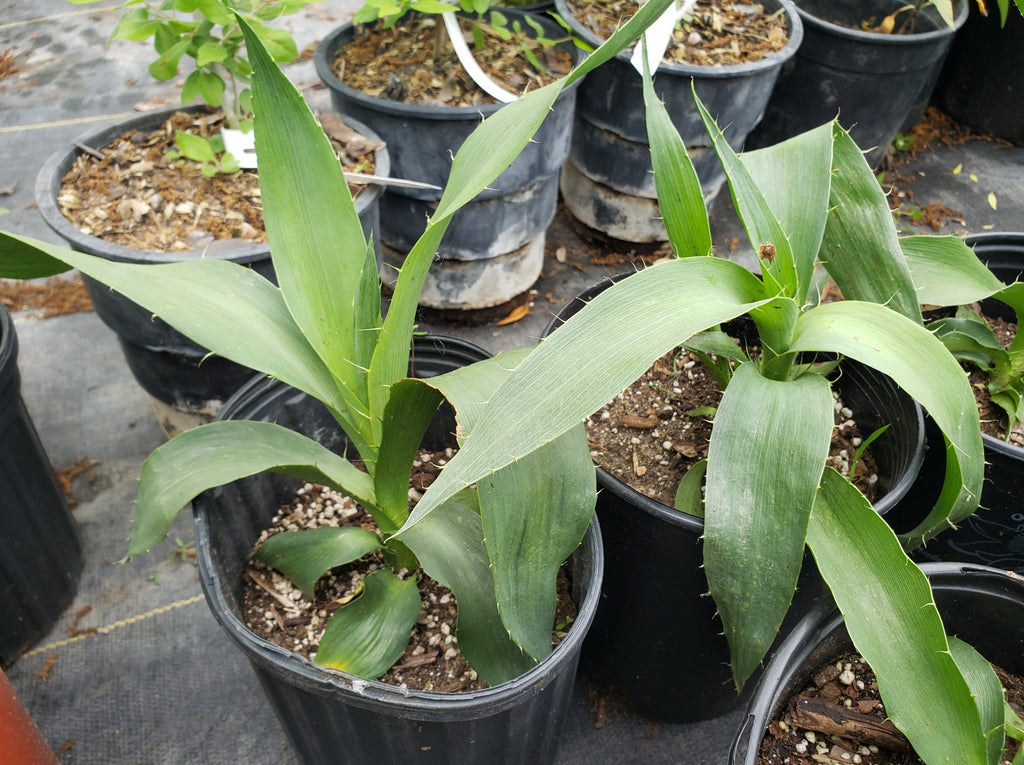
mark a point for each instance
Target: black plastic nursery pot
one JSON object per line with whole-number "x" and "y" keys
{"x": 656, "y": 637}
{"x": 40, "y": 546}
{"x": 608, "y": 183}
{"x": 494, "y": 248}
{"x": 982, "y": 606}
{"x": 187, "y": 386}
{"x": 982, "y": 84}
{"x": 334, "y": 717}
{"x": 871, "y": 81}
{"x": 994, "y": 535}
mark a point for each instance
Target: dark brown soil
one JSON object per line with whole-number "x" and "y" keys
{"x": 136, "y": 197}
{"x": 55, "y": 296}
{"x": 846, "y": 690}
{"x": 276, "y": 611}
{"x": 647, "y": 438}
{"x": 716, "y": 33}
{"x": 414, "y": 62}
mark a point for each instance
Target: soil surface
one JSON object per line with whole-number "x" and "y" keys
{"x": 55, "y": 296}
{"x": 137, "y": 197}
{"x": 654, "y": 431}
{"x": 275, "y": 610}
{"x": 413, "y": 62}
{"x": 715, "y": 33}
{"x": 809, "y": 732}
{"x": 936, "y": 128}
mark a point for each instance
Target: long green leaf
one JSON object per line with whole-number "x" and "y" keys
{"x": 410, "y": 407}
{"x": 390, "y": 361}
{"x": 535, "y": 511}
{"x": 763, "y": 228}
{"x": 689, "y": 494}
{"x": 918, "y": 363}
{"x": 367, "y": 635}
{"x": 768, "y": 449}
{"x": 25, "y": 258}
{"x": 316, "y": 240}
{"x": 406, "y": 417}
{"x": 559, "y": 382}
{"x": 680, "y": 199}
{"x": 893, "y": 622}
{"x": 483, "y": 156}
{"x": 794, "y": 177}
{"x": 225, "y": 307}
{"x": 946, "y": 272}
{"x": 860, "y": 249}
{"x": 215, "y": 454}
{"x": 450, "y": 546}
{"x": 987, "y": 692}
{"x": 305, "y": 556}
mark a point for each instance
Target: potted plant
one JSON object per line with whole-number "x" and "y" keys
{"x": 320, "y": 332}
{"x": 983, "y": 607}
{"x": 40, "y": 546}
{"x": 657, "y": 539}
{"x": 424, "y": 103}
{"x": 993, "y": 535}
{"x": 981, "y": 74}
{"x": 186, "y": 384}
{"x": 767, "y": 493}
{"x": 607, "y": 182}
{"x": 870, "y": 64}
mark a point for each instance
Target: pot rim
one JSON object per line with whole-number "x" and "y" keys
{"x": 50, "y": 175}
{"x": 372, "y": 694}
{"x": 329, "y": 46}
{"x": 770, "y": 61}
{"x": 960, "y": 10}
{"x": 825, "y": 619}
{"x": 608, "y": 482}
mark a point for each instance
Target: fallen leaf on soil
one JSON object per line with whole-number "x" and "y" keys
{"x": 65, "y": 476}
{"x": 633, "y": 421}
{"x": 992, "y": 200}
{"x": 515, "y": 314}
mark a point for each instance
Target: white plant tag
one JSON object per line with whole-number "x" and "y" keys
{"x": 658, "y": 36}
{"x": 241, "y": 146}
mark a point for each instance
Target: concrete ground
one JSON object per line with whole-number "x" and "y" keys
{"x": 137, "y": 670}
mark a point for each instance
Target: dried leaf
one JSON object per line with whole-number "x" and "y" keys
{"x": 515, "y": 314}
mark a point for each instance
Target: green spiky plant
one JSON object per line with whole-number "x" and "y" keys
{"x": 968, "y": 337}
{"x": 769, "y": 493}
{"x": 497, "y": 545}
